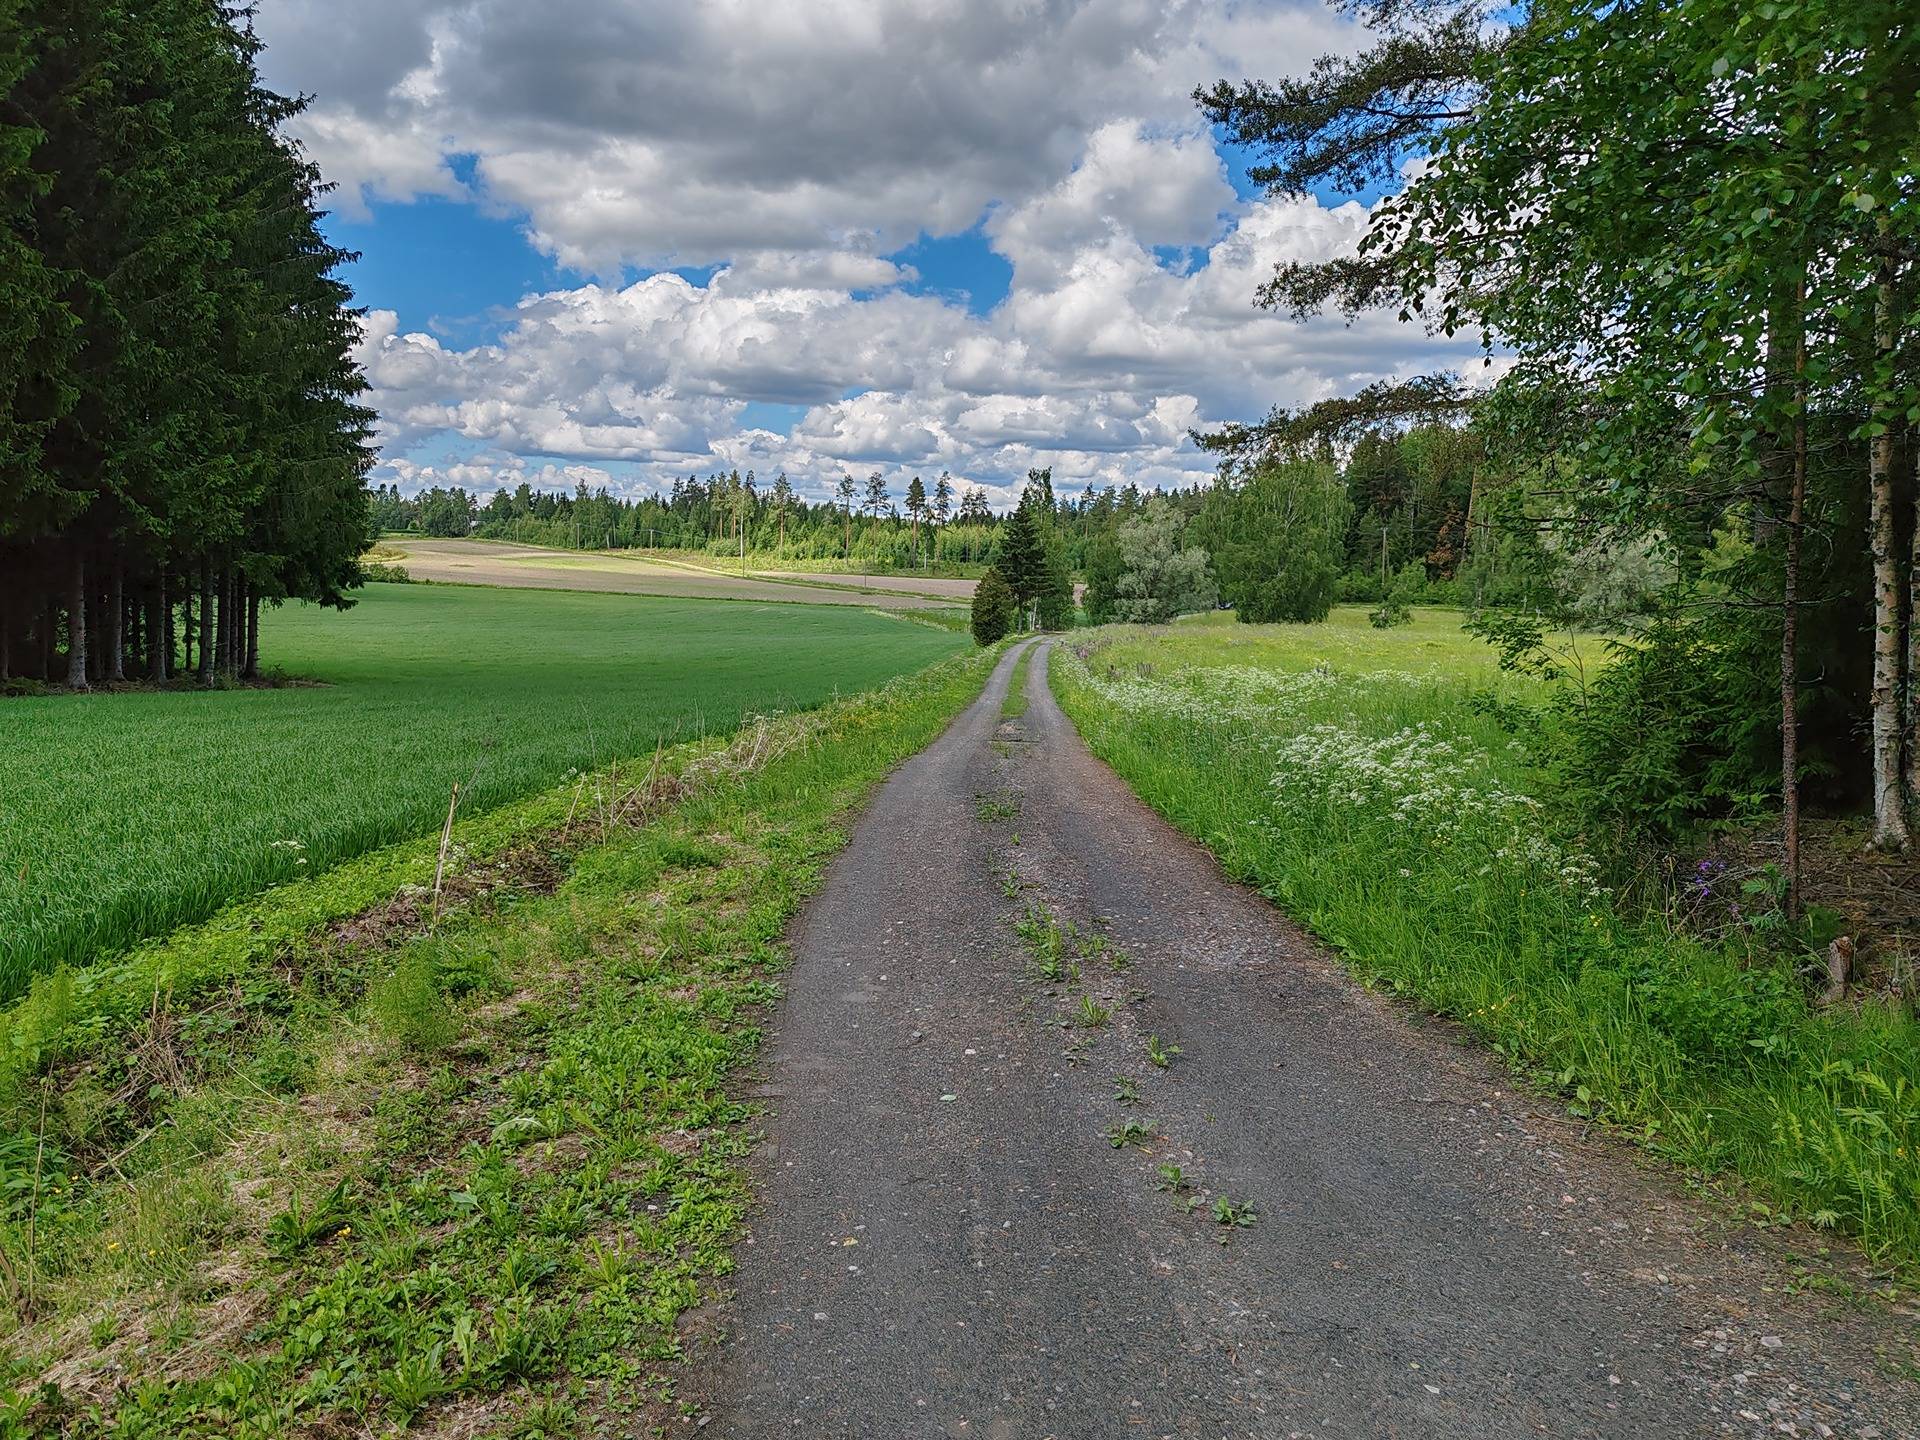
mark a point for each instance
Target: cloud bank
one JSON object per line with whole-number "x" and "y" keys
{"x": 798, "y": 147}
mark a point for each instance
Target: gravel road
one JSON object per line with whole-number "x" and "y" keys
{"x": 949, "y": 1243}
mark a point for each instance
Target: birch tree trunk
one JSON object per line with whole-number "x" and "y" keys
{"x": 1889, "y": 801}
{"x": 1913, "y": 628}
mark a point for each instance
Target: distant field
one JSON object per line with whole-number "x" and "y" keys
{"x": 128, "y": 814}
{"x": 490, "y": 562}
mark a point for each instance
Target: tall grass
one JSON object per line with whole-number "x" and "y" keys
{"x": 125, "y": 815}
{"x": 1384, "y": 811}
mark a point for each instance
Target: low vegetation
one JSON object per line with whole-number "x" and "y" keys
{"x": 1364, "y": 780}
{"x": 130, "y": 814}
{"x": 449, "y": 1163}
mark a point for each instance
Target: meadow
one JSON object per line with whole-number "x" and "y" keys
{"x": 1357, "y": 778}
{"x": 129, "y": 814}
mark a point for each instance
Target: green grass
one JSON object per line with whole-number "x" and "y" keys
{"x": 1432, "y": 642}
{"x": 458, "y": 1178}
{"x": 1348, "y": 774}
{"x": 1014, "y": 705}
{"x": 129, "y": 814}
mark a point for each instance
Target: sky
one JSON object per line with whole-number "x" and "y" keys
{"x": 620, "y": 241}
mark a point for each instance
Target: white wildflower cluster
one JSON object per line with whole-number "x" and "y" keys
{"x": 1237, "y": 695}
{"x": 1437, "y": 786}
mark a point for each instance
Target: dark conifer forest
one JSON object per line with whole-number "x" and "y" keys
{"x": 180, "y": 433}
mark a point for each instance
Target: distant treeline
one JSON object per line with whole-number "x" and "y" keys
{"x": 1407, "y": 503}
{"x": 943, "y": 523}
{"x": 180, "y": 437}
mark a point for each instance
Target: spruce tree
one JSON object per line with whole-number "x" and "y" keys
{"x": 994, "y": 607}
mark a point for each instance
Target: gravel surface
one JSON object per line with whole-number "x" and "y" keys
{"x": 949, "y": 1244}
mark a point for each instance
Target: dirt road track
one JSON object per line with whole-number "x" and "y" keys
{"x": 949, "y": 1244}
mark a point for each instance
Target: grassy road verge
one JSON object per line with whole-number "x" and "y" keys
{"x": 461, "y": 1175}
{"x": 1387, "y": 813}
{"x": 130, "y": 814}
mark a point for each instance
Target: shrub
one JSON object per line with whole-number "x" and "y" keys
{"x": 1159, "y": 577}
{"x": 1409, "y": 583}
{"x": 1659, "y": 740}
{"x": 1276, "y": 539}
{"x": 994, "y": 608}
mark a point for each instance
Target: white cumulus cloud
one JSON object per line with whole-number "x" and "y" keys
{"x": 797, "y": 147}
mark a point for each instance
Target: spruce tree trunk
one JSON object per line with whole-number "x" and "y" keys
{"x": 205, "y": 669}
{"x": 96, "y": 628}
{"x": 159, "y": 631}
{"x": 237, "y": 627}
{"x": 229, "y": 587}
{"x": 116, "y": 625}
{"x": 1889, "y": 803}
{"x": 77, "y": 620}
{"x": 253, "y": 633}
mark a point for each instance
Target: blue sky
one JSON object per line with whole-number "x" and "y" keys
{"x": 455, "y": 267}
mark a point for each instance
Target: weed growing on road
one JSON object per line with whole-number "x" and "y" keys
{"x": 1161, "y": 1054}
{"x": 1092, "y": 1013}
{"x": 1045, "y": 941}
{"x": 1014, "y": 706}
{"x": 1227, "y": 1212}
{"x": 1125, "y": 1091}
{"x": 1172, "y": 1178}
{"x": 1130, "y": 1132}
{"x": 991, "y": 808}
{"x": 1097, "y": 948}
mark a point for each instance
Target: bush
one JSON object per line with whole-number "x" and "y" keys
{"x": 1276, "y": 538}
{"x": 1159, "y": 577}
{"x": 1674, "y": 730}
{"x": 994, "y": 608}
{"x": 1409, "y": 584}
